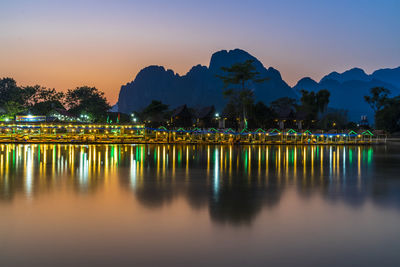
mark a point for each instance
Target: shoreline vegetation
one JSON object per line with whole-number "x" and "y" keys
{"x": 237, "y": 123}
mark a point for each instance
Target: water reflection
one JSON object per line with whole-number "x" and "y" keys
{"x": 233, "y": 183}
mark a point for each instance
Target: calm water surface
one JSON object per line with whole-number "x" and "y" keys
{"x": 152, "y": 205}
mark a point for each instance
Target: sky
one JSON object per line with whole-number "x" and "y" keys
{"x": 65, "y": 44}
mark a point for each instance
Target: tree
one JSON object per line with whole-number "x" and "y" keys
{"x": 378, "y": 98}
{"x": 155, "y": 107}
{"x": 388, "y": 115}
{"x": 88, "y": 101}
{"x": 15, "y": 99}
{"x": 283, "y": 103}
{"x": 322, "y": 100}
{"x": 387, "y": 110}
{"x": 12, "y": 108}
{"x": 262, "y": 115}
{"x": 9, "y": 91}
{"x": 45, "y": 100}
{"x": 35, "y": 99}
{"x": 334, "y": 118}
{"x": 44, "y": 94}
{"x": 313, "y": 103}
{"x": 156, "y": 112}
{"x": 241, "y": 98}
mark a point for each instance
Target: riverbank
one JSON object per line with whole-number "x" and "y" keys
{"x": 139, "y": 134}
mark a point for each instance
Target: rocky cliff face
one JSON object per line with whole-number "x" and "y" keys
{"x": 199, "y": 87}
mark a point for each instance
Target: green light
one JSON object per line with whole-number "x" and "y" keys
{"x": 245, "y": 160}
{"x": 370, "y": 153}
{"x": 350, "y": 156}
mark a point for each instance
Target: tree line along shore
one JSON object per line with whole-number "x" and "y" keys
{"x": 28, "y": 104}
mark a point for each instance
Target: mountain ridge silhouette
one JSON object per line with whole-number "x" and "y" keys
{"x": 201, "y": 87}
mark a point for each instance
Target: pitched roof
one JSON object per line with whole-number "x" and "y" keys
{"x": 180, "y": 110}
{"x": 205, "y": 112}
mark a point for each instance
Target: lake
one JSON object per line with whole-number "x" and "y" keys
{"x": 186, "y": 205}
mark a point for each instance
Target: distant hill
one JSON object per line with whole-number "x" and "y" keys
{"x": 199, "y": 87}
{"x": 349, "y": 88}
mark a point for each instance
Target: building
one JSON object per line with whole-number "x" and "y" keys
{"x": 205, "y": 117}
{"x": 181, "y": 117}
{"x": 59, "y": 114}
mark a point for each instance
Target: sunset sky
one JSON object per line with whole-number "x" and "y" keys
{"x": 65, "y": 44}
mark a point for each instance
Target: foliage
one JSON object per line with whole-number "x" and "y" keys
{"x": 89, "y": 101}
{"x": 9, "y": 91}
{"x": 387, "y": 110}
{"x": 155, "y": 112}
{"x": 240, "y": 97}
{"x": 313, "y": 103}
{"x": 262, "y": 116}
{"x": 378, "y": 98}
{"x": 283, "y": 103}
{"x": 334, "y": 118}
{"x": 13, "y": 108}
{"x": 45, "y": 100}
{"x": 388, "y": 115}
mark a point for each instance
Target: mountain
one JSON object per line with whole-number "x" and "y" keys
{"x": 349, "y": 88}
{"x": 200, "y": 86}
{"x": 391, "y": 76}
{"x": 355, "y": 74}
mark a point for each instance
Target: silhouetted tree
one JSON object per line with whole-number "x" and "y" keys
{"x": 314, "y": 103}
{"x": 388, "y": 115}
{"x": 262, "y": 116}
{"x": 387, "y": 110}
{"x": 10, "y": 92}
{"x": 156, "y": 112}
{"x": 45, "y": 100}
{"x": 334, "y": 118}
{"x": 378, "y": 98}
{"x": 241, "y": 98}
{"x": 87, "y": 100}
{"x": 283, "y": 103}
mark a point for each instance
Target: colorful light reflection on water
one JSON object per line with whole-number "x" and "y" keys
{"x": 148, "y": 204}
